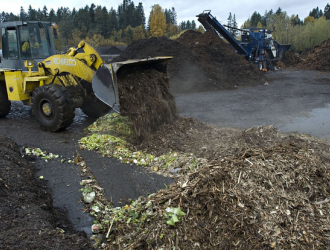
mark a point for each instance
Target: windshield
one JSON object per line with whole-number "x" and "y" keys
{"x": 36, "y": 41}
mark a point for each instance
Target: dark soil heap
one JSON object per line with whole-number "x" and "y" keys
{"x": 290, "y": 59}
{"x": 318, "y": 58}
{"x": 28, "y": 219}
{"x": 145, "y": 99}
{"x": 201, "y": 62}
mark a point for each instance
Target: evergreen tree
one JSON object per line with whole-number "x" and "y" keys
{"x": 45, "y": 14}
{"x": 39, "y": 15}
{"x": 74, "y": 18}
{"x": 12, "y": 17}
{"x": 183, "y": 25}
{"x": 327, "y": 11}
{"x": 66, "y": 25}
{"x": 83, "y": 18}
{"x": 130, "y": 15}
{"x": 193, "y": 25}
{"x": 113, "y": 22}
{"x": 91, "y": 13}
{"x": 255, "y": 19}
{"x": 173, "y": 16}
{"x": 121, "y": 16}
{"x": 102, "y": 20}
{"x": 32, "y": 14}
{"x": 234, "y": 25}
{"x": 278, "y": 12}
{"x": 168, "y": 15}
{"x": 188, "y": 25}
{"x": 229, "y": 23}
{"x": 22, "y": 14}
{"x": 59, "y": 14}
{"x": 140, "y": 16}
{"x": 316, "y": 13}
{"x": 2, "y": 17}
{"x": 229, "y": 19}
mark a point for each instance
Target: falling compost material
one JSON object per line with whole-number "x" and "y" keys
{"x": 145, "y": 98}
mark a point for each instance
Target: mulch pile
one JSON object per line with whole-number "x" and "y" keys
{"x": 201, "y": 62}
{"x": 145, "y": 99}
{"x": 28, "y": 219}
{"x": 189, "y": 135}
{"x": 271, "y": 192}
{"x": 263, "y": 198}
{"x": 290, "y": 59}
{"x": 318, "y": 58}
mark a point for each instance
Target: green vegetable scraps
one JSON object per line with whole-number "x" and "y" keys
{"x": 108, "y": 144}
{"x": 173, "y": 214}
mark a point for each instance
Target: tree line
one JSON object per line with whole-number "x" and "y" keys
{"x": 101, "y": 26}
{"x": 302, "y": 34}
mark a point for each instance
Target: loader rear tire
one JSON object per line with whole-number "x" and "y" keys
{"x": 95, "y": 108}
{"x": 52, "y": 106}
{"x": 5, "y": 104}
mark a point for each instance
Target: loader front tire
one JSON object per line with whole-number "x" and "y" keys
{"x": 52, "y": 107}
{"x": 5, "y": 104}
{"x": 95, "y": 108}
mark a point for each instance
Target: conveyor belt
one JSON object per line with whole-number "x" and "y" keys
{"x": 210, "y": 23}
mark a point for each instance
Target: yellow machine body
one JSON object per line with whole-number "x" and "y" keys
{"x": 55, "y": 84}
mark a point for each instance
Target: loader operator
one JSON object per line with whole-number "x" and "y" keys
{"x": 33, "y": 43}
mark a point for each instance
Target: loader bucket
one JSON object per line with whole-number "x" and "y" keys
{"x": 105, "y": 84}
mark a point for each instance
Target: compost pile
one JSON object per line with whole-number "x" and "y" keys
{"x": 145, "y": 99}
{"x": 275, "y": 195}
{"x": 28, "y": 218}
{"x": 290, "y": 59}
{"x": 201, "y": 62}
{"x": 189, "y": 135}
{"x": 318, "y": 58}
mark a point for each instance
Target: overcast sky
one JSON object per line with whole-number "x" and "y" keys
{"x": 186, "y": 10}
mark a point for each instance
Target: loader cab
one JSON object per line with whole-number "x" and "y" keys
{"x": 23, "y": 41}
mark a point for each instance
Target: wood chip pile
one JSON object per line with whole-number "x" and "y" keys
{"x": 275, "y": 197}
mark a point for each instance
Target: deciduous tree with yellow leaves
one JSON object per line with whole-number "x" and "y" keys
{"x": 157, "y": 23}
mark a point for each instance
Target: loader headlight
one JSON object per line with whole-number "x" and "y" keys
{"x": 28, "y": 63}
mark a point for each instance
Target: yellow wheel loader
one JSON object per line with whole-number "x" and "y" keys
{"x": 55, "y": 84}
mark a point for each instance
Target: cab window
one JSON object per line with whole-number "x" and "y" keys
{"x": 34, "y": 41}
{"x": 9, "y": 43}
